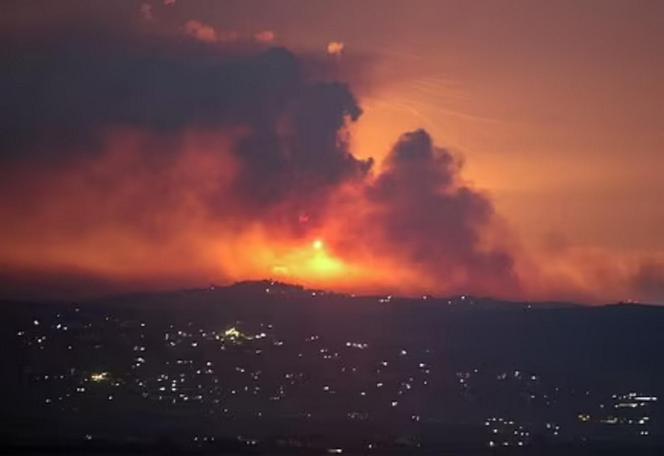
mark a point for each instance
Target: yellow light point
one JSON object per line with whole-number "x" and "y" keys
{"x": 232, "y": 333}
{"x": 99, "y": 377}
{"x": 317, "y": 244}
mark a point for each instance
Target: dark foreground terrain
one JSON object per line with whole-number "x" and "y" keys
{"x": 267, "y": 368}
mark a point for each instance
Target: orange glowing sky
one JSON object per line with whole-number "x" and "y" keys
{"x": 555, "y": 108}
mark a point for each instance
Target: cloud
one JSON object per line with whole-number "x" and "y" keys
{"x": 185, "y": 146}
{"x": 335, "y": 48}
{"x": 174, "y": 161}
{"x": 60, "y": 100}
{"x": 419, "y": 209}
{"x": 266, "y": 36}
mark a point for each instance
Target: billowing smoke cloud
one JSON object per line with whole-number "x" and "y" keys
{"x": 68, "y": 91}
{"x": 181, "y": 160}
{"x": 172, "y": 141}
{"x": 436, "y": 223}
{"x": 180, "y": 140}
{"x": 63, "y": 98}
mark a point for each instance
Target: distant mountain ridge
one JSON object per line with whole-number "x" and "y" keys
{"x": 277, "y": 288}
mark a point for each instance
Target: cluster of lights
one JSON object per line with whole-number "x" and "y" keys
{"x": 99, "y": 377}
